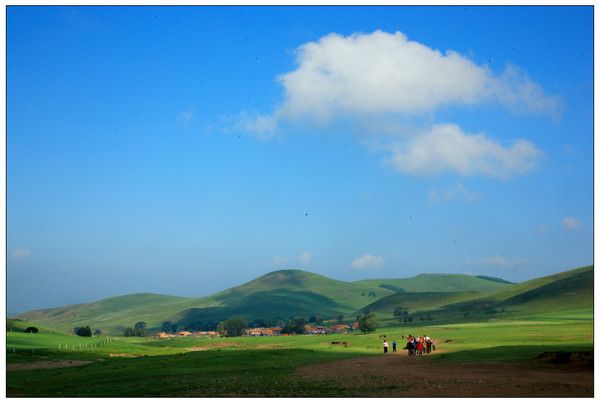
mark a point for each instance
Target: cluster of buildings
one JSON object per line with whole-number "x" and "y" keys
{"x": 308, "y": 329}
{"x": 266, "y": 331}
{"x": 185, "y": 333}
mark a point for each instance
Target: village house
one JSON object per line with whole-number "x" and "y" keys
{"x": 260, "y": 331}
{"x": 210, "y": 333}
{"x": 310, "y": 329}
{"x": 163, "y": 335}
{"x": 341, "y": 328}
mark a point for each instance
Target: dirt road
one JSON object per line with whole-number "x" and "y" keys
{"x": 400, "y": 375}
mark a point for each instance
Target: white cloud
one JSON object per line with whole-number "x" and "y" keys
{"x": 263, "y": 127}
{"x": 500, "y": 262}
{"x": 186, "y": 117}
{"x": 367, "y": 261}
{"x": 305, "y": 258}
{"x": 384, "y": 72}
{"x": 570, "y": 223}
{"x": 278, "y": 261}
{"x": 445, "y": 147}
{"x": 457, "y": 192}
{"x": 367, "y": 79}
{"x": 518, "y": 93}
{"x": 20, "y": 253}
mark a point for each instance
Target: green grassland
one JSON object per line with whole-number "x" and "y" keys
{"x": 512, "y": 322}
{"x": 439, "y": 283}
{"x": 111, "y": 315}
{"x": 18, "y": 325}
{"x": 280, "y": 294}
{"x": 263, "y": 366}
{"x": 415, "y": 302}
{"x": 566, "y": 293}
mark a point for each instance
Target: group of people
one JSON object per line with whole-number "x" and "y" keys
{"x": 415, "y": 345}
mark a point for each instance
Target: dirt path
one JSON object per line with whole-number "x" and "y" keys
{"x": 44, "y": 365}
{"x": 400, "y": 375}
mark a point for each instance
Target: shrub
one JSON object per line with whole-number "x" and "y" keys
{"x": 367, "y": 323}
{"x": 84, "y": 331}
{"x": 232, "y": 327}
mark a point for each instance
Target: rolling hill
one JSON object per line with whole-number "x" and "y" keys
{"x": 418, "y": 301}
{"x": 286, "y": 293}
{"x": 282, "y": 294}
{"x": 569, "y": 291}
{"x": 441, "y": 283}
{"x": 111, "y": 315}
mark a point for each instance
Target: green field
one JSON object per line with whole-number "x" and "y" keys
{"x": 501, "y": 322}
{"x": 261, "y": 366}
{"x": 279, "y": 294}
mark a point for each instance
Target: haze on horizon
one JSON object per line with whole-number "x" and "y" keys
{"x": 185, "y": 150}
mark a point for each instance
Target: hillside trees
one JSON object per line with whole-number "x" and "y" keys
{"x": 167, "y": 327}
{"x": 232, "y": 327}
{"x": 367, "y": 323}
{"x": 402, "y": 314}
{"x": 84, "y": 331}
{"x": 31, "y": 329}
{"x": 396, "y": 289}
{"x": 294, "y": 326}
{"x": 140, "y": 329}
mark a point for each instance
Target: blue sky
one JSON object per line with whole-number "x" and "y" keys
{"x": 185, "y": 150}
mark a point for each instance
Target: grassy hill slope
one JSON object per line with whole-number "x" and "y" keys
{"x": 440, "y": 283}
{"x": 287, "y": 293}
{"x": 417, "y": 301}
{"x": 19, "y": 326}
{"x": 562, "y": 292}
{"x": 110, "y": 315}
{"x": 278, "y": 294}
{"x": 282, "y": 294}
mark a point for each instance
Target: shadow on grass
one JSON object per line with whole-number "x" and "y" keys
{"x": 518, "y": 353}
{"x": 203, "y": 373}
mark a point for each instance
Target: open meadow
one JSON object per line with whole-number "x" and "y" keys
{"x": 472, "y": 359}
{"x": 212, "y": 201}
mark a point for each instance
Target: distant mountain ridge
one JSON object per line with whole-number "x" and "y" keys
{"x": 281, "y": 294}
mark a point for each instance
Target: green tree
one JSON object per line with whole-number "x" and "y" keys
{"x": 232, "y": 327}
{"x": 97, "y": 332}
{"x": 367, "y": 323}
{"x": 400, "y": 311}
{"x": 84, "y": 331}
{"x": 139, "y": 329}
{"x": 31, "y": 329}
{"x": 129, "y": 332}
{"x": 167, "y": 326}
{"x": 294, "y": 326}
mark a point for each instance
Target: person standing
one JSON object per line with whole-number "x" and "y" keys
{"x": 385, "y": 346}
{"x": 394, "y": 346}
